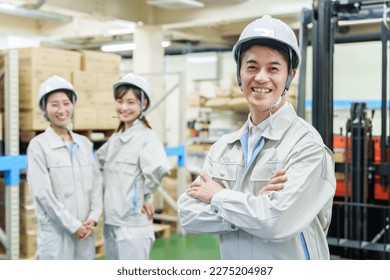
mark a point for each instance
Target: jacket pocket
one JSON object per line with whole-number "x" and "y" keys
{"x": 261, "y": 175}
{"x": 60, "y": 169}
{"x": 225, "y": 174}
{"x": 127, "y": 165}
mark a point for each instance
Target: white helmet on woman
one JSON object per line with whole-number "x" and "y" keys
{"x": 140, "y": 82}
{"x": 55, "y": 83}
{"x": 271, "y": 32}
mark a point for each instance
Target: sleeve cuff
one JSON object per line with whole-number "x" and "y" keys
{"x": 216, "y": 205}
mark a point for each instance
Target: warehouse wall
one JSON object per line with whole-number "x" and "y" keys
{"x": 357, "y": 77}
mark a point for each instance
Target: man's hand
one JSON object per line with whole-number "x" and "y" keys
{"x": 204, "y": 190}
{"x": 275, "y": 183}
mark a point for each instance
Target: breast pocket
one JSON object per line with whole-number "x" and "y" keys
{"x": 261, "y": 175}
{"x": 126, "y": 168}
{"x": 225, "y": 174}
{"x": 60, "y": 169}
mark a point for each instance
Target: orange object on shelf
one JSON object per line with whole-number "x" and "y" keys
{"x": 381, "y": 192}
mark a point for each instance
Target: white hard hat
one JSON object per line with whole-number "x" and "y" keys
{"x": 270, "y": 32}
{"x": 55, "y": 83}
{"x": 138, "y": 81}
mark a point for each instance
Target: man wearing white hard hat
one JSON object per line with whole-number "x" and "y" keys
{"x": 134, "y": 162}
{"x": 63, "y": 178}
{"x": 227, "y": 198}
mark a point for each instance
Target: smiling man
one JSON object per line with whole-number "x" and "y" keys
{"x": 228, "y": 199}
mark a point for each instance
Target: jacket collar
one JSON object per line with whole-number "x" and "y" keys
{"x": 132, "y": 131}
{"x": 277, "y": 127}
{"x": 56, "y": 141}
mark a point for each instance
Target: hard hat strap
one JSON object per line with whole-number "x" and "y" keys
{"x": 142, "y": 98}
{"x": 289, "y": 75}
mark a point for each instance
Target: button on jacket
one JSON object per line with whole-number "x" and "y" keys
{"x": 67, "y": 189}
{"x": 134, "y": 163}
{"x": 288, "y": 224}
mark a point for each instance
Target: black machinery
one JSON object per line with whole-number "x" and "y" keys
{"x": 360, "y": 221}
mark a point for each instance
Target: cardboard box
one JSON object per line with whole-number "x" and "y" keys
{"x": 95, "y": 61}
{"x": 107, "y": 119}
{"x": 89, "y": 81}
{"x": 96, "y": 100}
{"x": 30, "y": 79}
{"x": 49, "y": 57}
{"x": 1, "y": 128}
{"x": 28, "y": 220}
{"x": 25, "y": 198}
{"x": 99, "y": 232}
{"x": 32, "y": 119}
{"x": 28, "y": 245}
{"x": 85, "y": 118}
{"x": 2, "y": 94}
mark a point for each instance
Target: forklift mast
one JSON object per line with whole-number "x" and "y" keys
{"x": 360, "y": 221}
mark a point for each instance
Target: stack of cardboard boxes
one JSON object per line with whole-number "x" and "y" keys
{"x": 95, "y": 107}
{"x": 27, "y": 220}
{"x": 28, "y": 223}
{"x": 92, "y": 74}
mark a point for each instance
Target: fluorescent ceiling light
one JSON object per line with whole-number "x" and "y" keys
{"x": 201, "y": 59}
{"x": 118, "y": 47}
{"x": 176, "y": 4}
{"x": 166, "y": 43}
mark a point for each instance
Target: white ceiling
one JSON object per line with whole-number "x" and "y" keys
{"x": 87, "y": 23}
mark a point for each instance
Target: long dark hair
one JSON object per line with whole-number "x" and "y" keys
{"x": 120, "y": 92}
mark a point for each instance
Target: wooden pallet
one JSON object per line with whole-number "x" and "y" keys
{"x": 162, "y": 230}
{"x": 99, "y": 249}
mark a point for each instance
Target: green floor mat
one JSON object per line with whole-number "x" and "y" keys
{"x": 186, "y": 247}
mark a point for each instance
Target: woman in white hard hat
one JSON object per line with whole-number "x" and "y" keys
{"x": 133, "y": 162}
{"x": 291, "y": 223}
{"x": 63, "y": 178}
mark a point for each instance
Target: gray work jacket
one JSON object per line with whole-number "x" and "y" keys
{"x": 66, "y": 184}
{"x": 134, "y": 163}
{"x": 288, "y": 224}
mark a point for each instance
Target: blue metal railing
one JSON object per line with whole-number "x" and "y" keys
{"x": 12, "y": 165}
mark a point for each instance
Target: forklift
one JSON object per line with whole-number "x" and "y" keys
{"x": 361, "y": 208}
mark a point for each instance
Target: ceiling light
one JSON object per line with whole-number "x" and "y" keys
{"x": 176, "y": 4}
{"x": 166, "y": 43}
{"x": 118, "y": 47}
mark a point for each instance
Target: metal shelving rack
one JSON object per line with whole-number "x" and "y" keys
{"x": 10, "y": 238}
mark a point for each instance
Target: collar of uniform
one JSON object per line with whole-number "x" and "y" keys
{"x": 284, "y": 118}
{"x": 130, "y": 132}
{"x": 236, "y": 136}
{"x": 262, "y": 126}
{"x": 55, "y": 141}
{"x": 280, "y": 122}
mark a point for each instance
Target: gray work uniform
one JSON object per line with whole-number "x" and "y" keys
{"x": 66, "y": 186}
{"x": 134, "y": 163}
{"x": 288, "y": 224}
